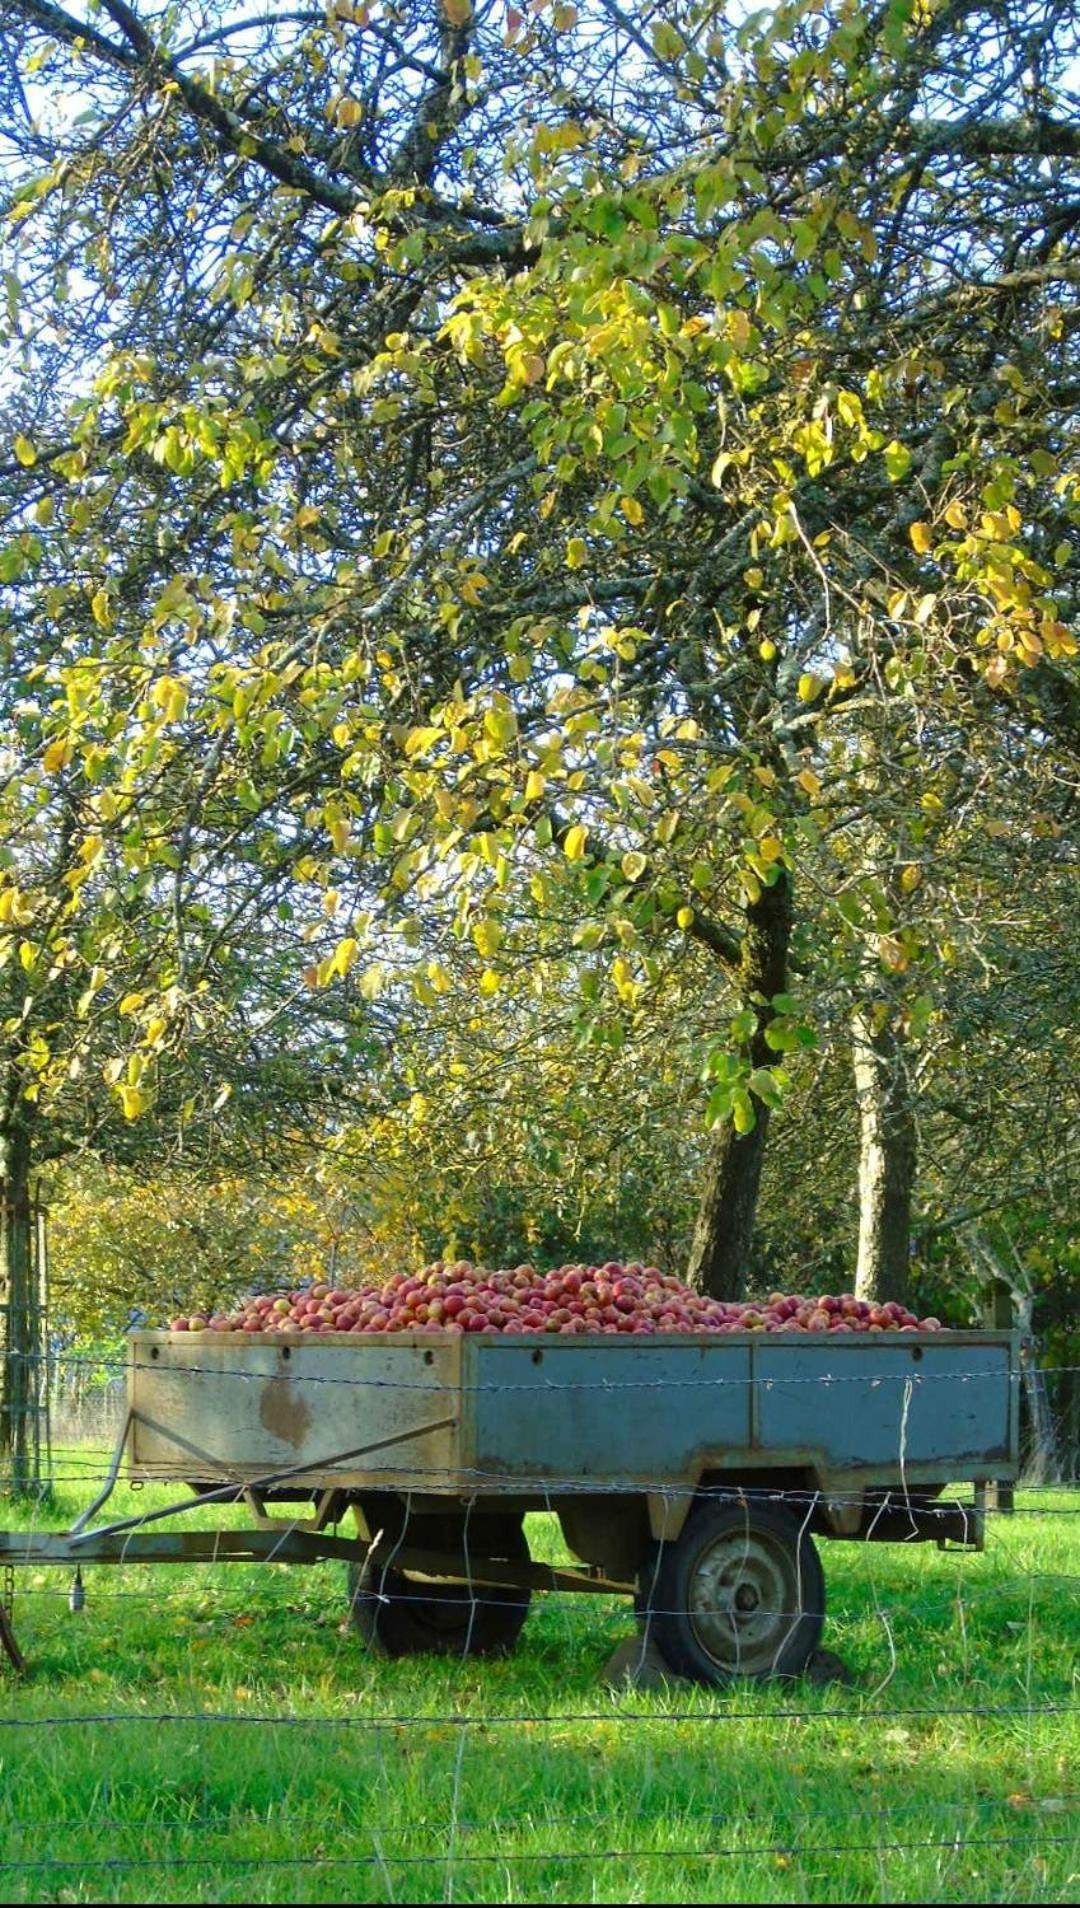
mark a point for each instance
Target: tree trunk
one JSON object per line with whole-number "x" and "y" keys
{"x": 887, "y": 1154}
{"x": 18, "y": 1304}
{"x": 1043, "y": 1456}
{"x": 720, "y": 1248}
{"x": 1042, "y": 1465}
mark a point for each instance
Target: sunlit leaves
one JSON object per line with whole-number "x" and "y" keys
{"x": 897, "y": 459}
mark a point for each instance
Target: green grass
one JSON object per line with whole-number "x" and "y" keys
{"x": 360, "y": 1789}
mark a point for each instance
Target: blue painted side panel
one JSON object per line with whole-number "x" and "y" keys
{"x": 630, "y": 1410}
{"x": 912, "y": 1406}
{"x": 660, "y": 1410}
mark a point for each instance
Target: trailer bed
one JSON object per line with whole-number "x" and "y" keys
{"x": 489, "y": 1414}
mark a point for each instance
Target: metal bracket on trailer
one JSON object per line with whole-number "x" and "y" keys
{"x": 327, "y": 1511}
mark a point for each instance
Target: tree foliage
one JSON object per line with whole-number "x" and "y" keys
{"x": 484, "y": 476}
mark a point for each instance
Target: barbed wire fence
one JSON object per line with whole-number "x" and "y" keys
{"x": 559, "y": 1751}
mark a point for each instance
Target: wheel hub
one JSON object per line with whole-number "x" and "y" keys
{"x": 744, "y": 1600}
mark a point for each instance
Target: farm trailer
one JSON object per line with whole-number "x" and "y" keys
{"x": 692, "y": 1472}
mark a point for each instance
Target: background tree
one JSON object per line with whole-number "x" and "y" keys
{"x": 530, "y": 457}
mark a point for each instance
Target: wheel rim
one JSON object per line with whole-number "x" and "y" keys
{"x": 744, "y": 1600}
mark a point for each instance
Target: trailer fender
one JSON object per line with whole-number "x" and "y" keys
{"x": 838, "y": 1515}
{"x": 609, "y": 1530}
{"x": 668, "y": 1512}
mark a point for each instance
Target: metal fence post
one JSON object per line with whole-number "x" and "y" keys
{"x": 999, "y": 1316}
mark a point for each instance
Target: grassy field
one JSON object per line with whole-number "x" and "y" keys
{"x": 216, "y": 1734}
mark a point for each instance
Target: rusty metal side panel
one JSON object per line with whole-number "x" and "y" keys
{"x": 223, "y": 1406}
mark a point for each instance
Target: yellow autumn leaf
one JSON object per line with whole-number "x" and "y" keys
{"x": 134, "y": 1101}
{"x": 922, "y": 537}
{"x": 574, "y": 845}
{"x": 501, "y": 726}
{"x": 419, "y": 741}
{"x": 623, "y": 976}
{"x": 809, "y": 687}
{"x": 575, "y": 553}
{"x": 489, "y": 982}
{"x": 809, "y": 783}
{"x": 535, "y": 784}
{"x": 632, "y": 510}
{"x": 458, "y": 12}
{"x": 101, "y": 609}
{"x": 471, "y": 585}
{"x": 345, "y": 954}
{"x": 487, "y": 935}
{"x": 25, "y": 452}
{"x": 685, "y": 918}
{"x": 349, "y": 112}
{"x": 56, "y": 756}
{"x": 634, "y": 865}
{"x": 910, "y": 878}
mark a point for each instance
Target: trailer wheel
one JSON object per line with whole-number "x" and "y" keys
{"x": 740, "y": 1593}
{"x": 401, "y": 1616}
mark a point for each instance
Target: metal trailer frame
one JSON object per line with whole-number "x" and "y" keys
{"x": 526, "y": 1431}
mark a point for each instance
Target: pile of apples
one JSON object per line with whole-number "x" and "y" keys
{"x": 611, "y": 1298}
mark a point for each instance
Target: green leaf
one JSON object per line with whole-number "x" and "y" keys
{"x": 744, "y": 1024}
{"x": 718, "y": 1105}
{"x": 784, "y": 1004}
{"x": 897, "y": 460}
{"x": 764, "y": 1084}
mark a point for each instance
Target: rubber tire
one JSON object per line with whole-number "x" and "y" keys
{"x": 664, "y": 1600}
{"x": 397, "y": 1617}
